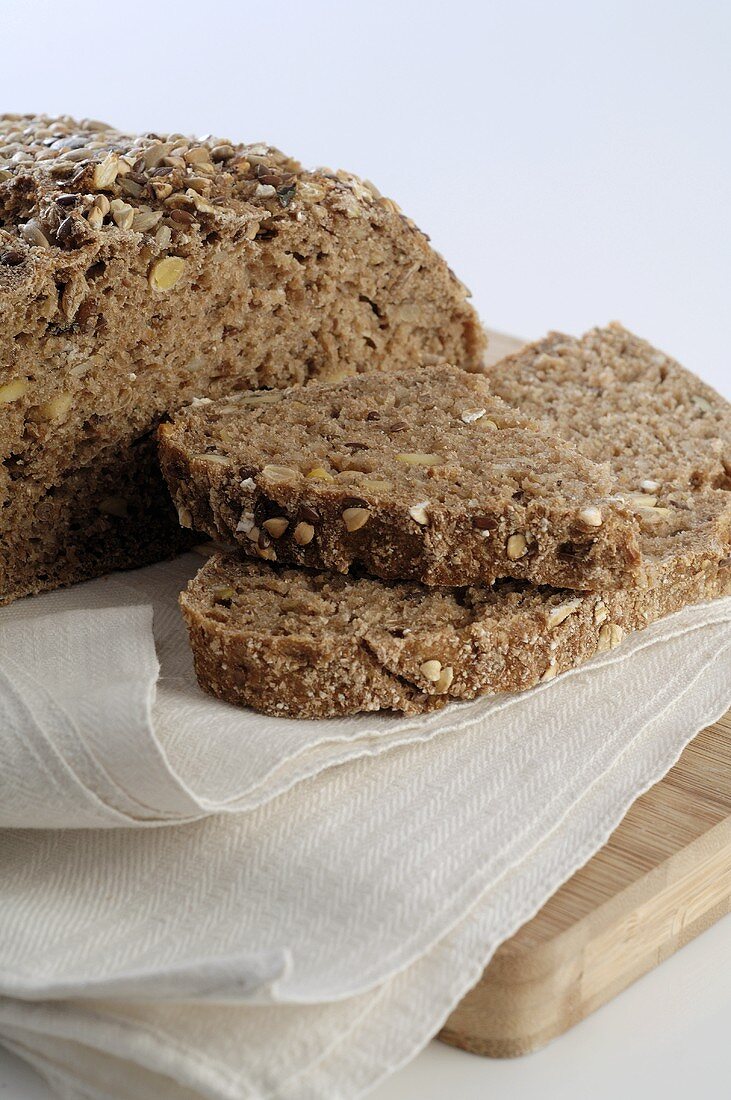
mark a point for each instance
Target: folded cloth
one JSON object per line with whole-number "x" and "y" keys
{"x": 304, "y": 928}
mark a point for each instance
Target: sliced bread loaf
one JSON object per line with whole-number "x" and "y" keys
{"x": 308, "y": 644}
{"x": 138, "y": 272}
{"x": 427, "y": 477}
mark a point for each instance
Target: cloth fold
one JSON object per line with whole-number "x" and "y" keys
{"x": 323, "y": 893}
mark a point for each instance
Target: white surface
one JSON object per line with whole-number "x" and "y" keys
{"x": 666, "y": 1036}
{"x": 571, "y": 160}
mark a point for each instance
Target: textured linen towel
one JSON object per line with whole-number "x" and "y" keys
{"x": 324, "y": 892}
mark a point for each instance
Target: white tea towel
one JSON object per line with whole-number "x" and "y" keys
{"x": 314, "y": 939}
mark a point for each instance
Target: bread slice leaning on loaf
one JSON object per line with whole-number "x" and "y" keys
{"x": 138, "y": 273}
{"x": 312, "y": 644}
{"x": 424, "y": 476}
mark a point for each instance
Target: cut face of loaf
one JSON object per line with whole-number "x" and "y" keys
{"x": 311, "y": 645}
{"x": 137, "y": 273}
{"x": 426, "y": 476}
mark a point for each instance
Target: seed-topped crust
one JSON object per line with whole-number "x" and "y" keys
{"x": 403, "y": 479}
{"x": 57, "y": 171}
{"x": 138, "y": 273}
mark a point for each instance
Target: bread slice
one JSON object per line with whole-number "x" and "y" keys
{"x": 137, "y": 273}
{"x": 426, "y": 476}
{"x": 304, "y": 644}
{"x": 665, "y": 433}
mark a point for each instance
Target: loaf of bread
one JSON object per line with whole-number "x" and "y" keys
{"x": 313, "y": 644}
{"x": 137, "y": 273}
{"x": 424, "y": 476}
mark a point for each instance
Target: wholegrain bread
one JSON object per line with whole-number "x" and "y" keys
{"x": 313, "y": 644}
{"x": 307, "y": 644}
{"x": 137, "y": 273}
{"x": 617, "y": 398}
{"x": 666, "y": 434}
{"x": 426, "y": 477}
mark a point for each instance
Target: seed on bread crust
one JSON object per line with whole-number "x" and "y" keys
{"x": 601, "y": 614}
{"x": 309, "y": 515}
{"x": 166, "y": 272}
{"x": 319, "y": 473}
{"x": 219, "y": 460}
{"x": 444, "y": 681}
{"x": 304, "y": 533}
{"x": 641, "y": 500}
{"x": 276, "y": 526}
{"x": 655, "y": 512}
{"x": 262, "y": 397}
{"x": 610, "y": 635}
{"x": 13, "y": 390}
{"x": 559, "y": 614}
{"x": 355, "y": 518}
{"x": 419, "y": 514}
{"x": 517, "y": 546}
{"x": 33, "y": 234}
{"x": 279, "y": 473}
{"x": 123, "y": 215}
{"x": 222, "y": 593}
{"x": 375, "y": 485}
{"x": 590, "y": 517}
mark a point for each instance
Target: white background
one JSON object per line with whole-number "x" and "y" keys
{"x": 572, "y": 160}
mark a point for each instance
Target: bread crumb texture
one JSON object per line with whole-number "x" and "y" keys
{"x": 138, "y": 273}
{"x": 421, "y": 475}
{"x": 313, "y": 644}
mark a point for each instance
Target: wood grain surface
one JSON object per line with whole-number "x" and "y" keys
{"x": 663, "y": 877}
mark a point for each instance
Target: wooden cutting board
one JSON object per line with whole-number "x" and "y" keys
{"x": 663, "y": 877}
